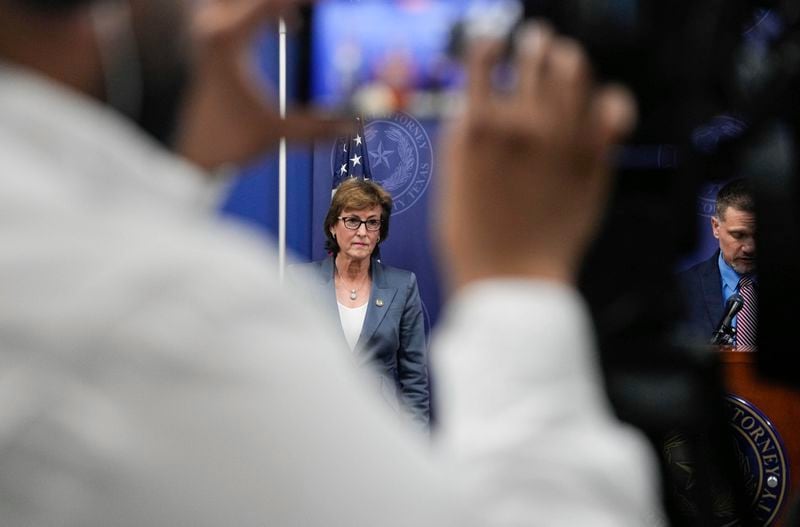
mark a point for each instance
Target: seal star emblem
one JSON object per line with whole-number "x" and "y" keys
{"x": 381, "y": 156}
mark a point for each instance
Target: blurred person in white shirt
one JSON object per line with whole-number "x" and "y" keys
{"x": 156, "y": 373}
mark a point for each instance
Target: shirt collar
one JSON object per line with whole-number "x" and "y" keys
{"x": 730, "y": 278}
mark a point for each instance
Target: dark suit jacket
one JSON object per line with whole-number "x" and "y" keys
{"x": 392, "y": 339}
{"x": 701, "y": 286}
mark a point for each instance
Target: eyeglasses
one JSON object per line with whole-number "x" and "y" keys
{"x": 352, "y": 223}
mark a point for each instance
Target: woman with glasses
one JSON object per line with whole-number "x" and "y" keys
{"x": 379, "y": 307}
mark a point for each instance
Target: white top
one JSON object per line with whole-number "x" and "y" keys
{"x": 352, "y": 319}
{"x": 155, "y": 373}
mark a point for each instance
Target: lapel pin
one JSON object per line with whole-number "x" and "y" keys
{"x": 379, "y": 302}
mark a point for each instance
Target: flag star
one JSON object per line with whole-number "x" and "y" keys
{"x": 343, "y": 170}
{"x": 356, "y": 159}
{"x": 358, "y": 140}
{"x": 344, "y": 147}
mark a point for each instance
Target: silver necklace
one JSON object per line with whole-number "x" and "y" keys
{"x": 353, "y": 292}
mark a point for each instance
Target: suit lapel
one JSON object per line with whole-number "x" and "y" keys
{"x": 712, "y": 290}
{"x": 380, "y": 299}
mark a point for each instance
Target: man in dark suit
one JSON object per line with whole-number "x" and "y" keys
{"x": 706, "y": 286}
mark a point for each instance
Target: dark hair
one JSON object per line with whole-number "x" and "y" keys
{"x": 737, "y": 193}
{"x": 357, "y": 194}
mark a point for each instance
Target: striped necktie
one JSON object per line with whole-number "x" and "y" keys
{"x": 747, "y": 318}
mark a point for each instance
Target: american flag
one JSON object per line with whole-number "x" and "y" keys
{"x": 352, "y": 158}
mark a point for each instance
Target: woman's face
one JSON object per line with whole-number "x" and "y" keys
{"x": 357, "y": 244}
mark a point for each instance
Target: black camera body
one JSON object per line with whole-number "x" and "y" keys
{"x": 689, "y": 62}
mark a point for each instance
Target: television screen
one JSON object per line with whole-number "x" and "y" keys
{"x": 379, "y": 56}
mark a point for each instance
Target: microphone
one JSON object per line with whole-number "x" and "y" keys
{"x": 724, "y": 332}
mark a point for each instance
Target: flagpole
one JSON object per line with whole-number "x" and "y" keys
{"x": 282, "y": 152}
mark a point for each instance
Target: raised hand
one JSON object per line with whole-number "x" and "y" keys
{"x": 526, "y": 170}
{"x": 228, "y": 117}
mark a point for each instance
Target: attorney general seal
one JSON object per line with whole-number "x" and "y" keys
{"x": 400, "y": 156}
{"x": 760, "y": 456}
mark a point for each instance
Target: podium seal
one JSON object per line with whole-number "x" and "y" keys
{"x": 762, "y": 456}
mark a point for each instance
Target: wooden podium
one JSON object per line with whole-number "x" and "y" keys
{"x": 779, "y": 404}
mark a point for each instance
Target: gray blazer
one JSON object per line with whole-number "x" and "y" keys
{"x": 392, "y": 339}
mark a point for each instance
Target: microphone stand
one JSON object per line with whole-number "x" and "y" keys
{"x": 724, "y": 335}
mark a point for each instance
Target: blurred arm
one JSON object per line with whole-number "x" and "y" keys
{"x": 525, "y": 420}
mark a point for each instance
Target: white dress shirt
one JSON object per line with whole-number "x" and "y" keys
{"x": 155, "y": 373}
